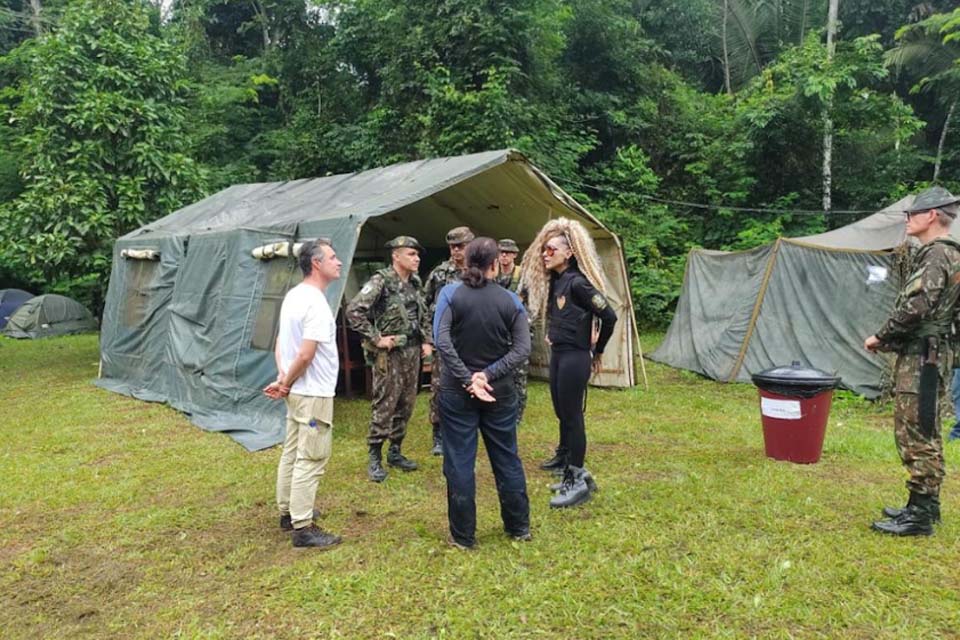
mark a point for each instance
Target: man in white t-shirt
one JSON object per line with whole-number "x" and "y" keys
{"x": 307, "y": 366}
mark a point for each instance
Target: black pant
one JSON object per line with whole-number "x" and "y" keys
{"x": 460, "y": 418}
{"x": 569, "y": 374}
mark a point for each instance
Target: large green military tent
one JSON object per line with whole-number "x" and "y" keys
{"x": 191, "y": 312}
{"x": 49, "y": 315}
{"x": 812, "y": 299}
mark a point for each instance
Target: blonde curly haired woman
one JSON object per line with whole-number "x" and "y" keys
{"x": 564, "y": 286}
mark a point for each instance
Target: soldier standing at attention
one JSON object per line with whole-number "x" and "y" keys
{"x": 447, "y": 272}
{"x": 390, "y": 313}
{"x": 919, "y": 331}
{"x": 509, "y": 278}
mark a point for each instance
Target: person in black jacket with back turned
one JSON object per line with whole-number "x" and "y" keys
{"x": 482, "y": 334}
{"x": 573, "y": 304}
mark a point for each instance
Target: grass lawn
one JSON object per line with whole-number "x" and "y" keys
{"x": 119, "y": 518}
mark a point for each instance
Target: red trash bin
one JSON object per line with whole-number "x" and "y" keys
{"x": 794, "y": 407}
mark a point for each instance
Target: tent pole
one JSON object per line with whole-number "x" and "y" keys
{"x": 643, "y": 367}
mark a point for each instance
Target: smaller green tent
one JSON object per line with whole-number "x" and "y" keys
{"x": 49, "y": 315}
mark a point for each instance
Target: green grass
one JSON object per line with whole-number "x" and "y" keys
{"x": 118, "y": 518}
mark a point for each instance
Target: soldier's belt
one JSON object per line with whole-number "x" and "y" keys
{"x": 917, "y": 347}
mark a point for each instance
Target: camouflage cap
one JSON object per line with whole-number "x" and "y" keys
{"x": 933, "y": 198}
{"x": 401, "y": 242}
{"x": 506, "y": 244}
{"x": 460, "y": 235}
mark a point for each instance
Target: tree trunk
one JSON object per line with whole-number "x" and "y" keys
{"x": 827, "y": 108}
{"x": 943, "y": 139}
{"x": 726, "y": 55}
{"x": 261, "y": 13}
{"x": 803, "y": 22}
{"x": 35, "y": 17}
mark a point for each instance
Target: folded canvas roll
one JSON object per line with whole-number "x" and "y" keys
{"x": 140, "y": 254}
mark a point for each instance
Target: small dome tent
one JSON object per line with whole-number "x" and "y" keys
{"x": 10, "y": 301}
{"x": 49, "y": 315}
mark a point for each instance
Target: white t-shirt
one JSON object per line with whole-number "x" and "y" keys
{"x": 305, "y": 315}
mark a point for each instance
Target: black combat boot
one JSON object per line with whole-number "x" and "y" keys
{"x": 314, "y": 536}
{"x": 437, "y": 449}
{"x": 375, "y": 470}
{"x": 557, "y": 462}
{"x": 915, "y": 520}
{"x": 574, "y": 489}
{"x": 896, "y": 512}
{"x": 398, "y": 460}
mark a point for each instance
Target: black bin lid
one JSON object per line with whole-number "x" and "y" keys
{"x": 796, "y": 376}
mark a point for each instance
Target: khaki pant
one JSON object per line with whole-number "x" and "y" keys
{"x": 306, "y": 450}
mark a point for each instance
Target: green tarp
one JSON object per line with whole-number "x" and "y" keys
{"x": 812, "y": 299}
{"x": 193, "y": 324}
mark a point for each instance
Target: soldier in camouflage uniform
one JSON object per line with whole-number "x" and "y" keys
{"x": 391, "y": 315}
{"x": 919, "y": 332}
{"x": 509, "y": 279}
{"x": 509, "y": 276}
{"x": 447, "y": 272}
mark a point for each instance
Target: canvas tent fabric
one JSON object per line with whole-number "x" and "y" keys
{"x": 194, "y": 326}
{"x": 10, "y": 301}
{"x": 812, "y": 299}
{"x": 49, "y": 315}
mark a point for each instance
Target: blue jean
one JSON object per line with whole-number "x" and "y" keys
{"x": 461, "y": 417}
{"x": 955, "y": 392}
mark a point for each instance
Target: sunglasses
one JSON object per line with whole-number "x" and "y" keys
{"x": 547, "y": 249}
{"x": 910, "y": 214}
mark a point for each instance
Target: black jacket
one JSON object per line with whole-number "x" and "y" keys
{"x": 574, "y": 303}
{"x": 483, "y": 329}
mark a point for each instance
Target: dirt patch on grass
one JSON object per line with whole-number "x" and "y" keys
{"x": 12, "y": 550}
{"x": 69, "y": 589}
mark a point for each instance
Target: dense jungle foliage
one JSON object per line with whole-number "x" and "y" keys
{"x": 116, "y": 112}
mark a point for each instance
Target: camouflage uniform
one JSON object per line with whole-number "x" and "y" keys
{"x": 510, "y": 282}
{"x": 389, "y": 306}
{"x": 924, "y": 310}
{"x": 443, "y": 274}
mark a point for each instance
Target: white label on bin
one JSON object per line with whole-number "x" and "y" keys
{"x": 780, "y": 409}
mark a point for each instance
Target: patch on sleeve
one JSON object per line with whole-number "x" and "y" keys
{"x": 367, "y": 289}
{"x": 914, "y": 285}
{"x": 599, "y": 302}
